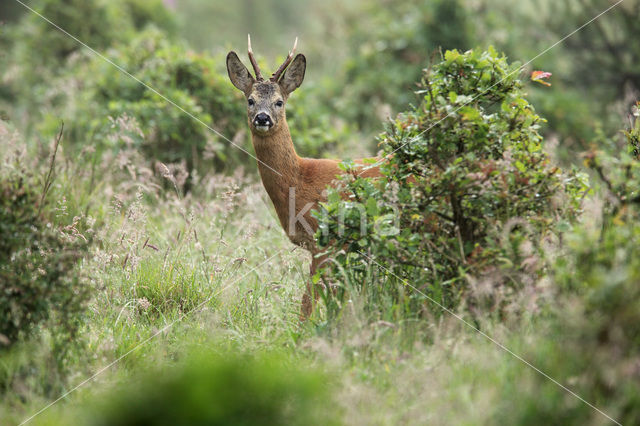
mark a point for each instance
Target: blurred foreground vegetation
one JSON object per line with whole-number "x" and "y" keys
{"x": 133, "y": 234}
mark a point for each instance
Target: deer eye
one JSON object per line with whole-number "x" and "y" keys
{"x": 251, "y": 102}
{"x": 279, "y": 104}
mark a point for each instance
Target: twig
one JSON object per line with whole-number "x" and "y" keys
{"x": 49, "y": 179}
{"x": 461, "y": 245}
{"x": 605, "y": 179}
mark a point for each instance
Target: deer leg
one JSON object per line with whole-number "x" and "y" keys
{"x": 310, "y": 296}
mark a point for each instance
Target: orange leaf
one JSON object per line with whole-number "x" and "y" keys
{"x": 539, "y": 76}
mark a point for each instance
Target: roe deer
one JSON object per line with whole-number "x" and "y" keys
{"x": 294, "y": 184}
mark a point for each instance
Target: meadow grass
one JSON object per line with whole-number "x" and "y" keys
{"x": 215, "y": 269}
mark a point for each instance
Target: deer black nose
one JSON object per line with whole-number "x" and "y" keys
{"x": 262, "y": 119}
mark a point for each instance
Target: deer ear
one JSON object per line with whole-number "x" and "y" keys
{"x": 238, "y": 73}
{"x": 293, "y": 76}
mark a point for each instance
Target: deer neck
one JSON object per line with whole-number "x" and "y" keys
{"x": 279, "y": 165}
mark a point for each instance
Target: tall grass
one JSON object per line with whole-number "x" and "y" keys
{"x": 209, "y": 271}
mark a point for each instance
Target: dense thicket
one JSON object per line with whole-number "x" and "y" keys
{"x": 594, "y": 338}
{"x": 39, "y": 280}
{"x": 468, "y": 196}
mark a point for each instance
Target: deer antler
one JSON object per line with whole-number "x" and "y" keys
{"x": 276, "y": 75}
{"x": 256, "y": 69}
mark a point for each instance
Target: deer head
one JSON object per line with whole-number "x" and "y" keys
{"x": 266, "y": 98}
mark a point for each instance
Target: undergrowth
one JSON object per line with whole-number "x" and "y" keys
{"x": 195, "y": 289}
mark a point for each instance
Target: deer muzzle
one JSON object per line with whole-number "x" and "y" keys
{"x": 262, "y": 122}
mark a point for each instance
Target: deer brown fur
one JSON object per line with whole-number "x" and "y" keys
{"x": 295, "y": 185}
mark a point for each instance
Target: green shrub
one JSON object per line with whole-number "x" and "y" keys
{"x": 592, "y": 264}
{"x": 39, "y": 283}
{"x": 468, "y": 195}
{"x": 595, "y": 341}
{"x": 53, "y": 77}
{"x": 42, "y": 66}
{"x": 93, "y": 22}
{"x": 97, "y": 23}
{"x": 189, "y": 79}
{"x": 229, "y": 389}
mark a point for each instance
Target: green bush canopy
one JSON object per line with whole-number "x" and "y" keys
{"x": 467, "y": 190}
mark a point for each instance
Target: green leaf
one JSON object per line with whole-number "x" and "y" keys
{"x": 333, "y": 197}
{"x": 372, "y": 207}
{"x": 450, "y": 56}
{"x": 470, "y": 114}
